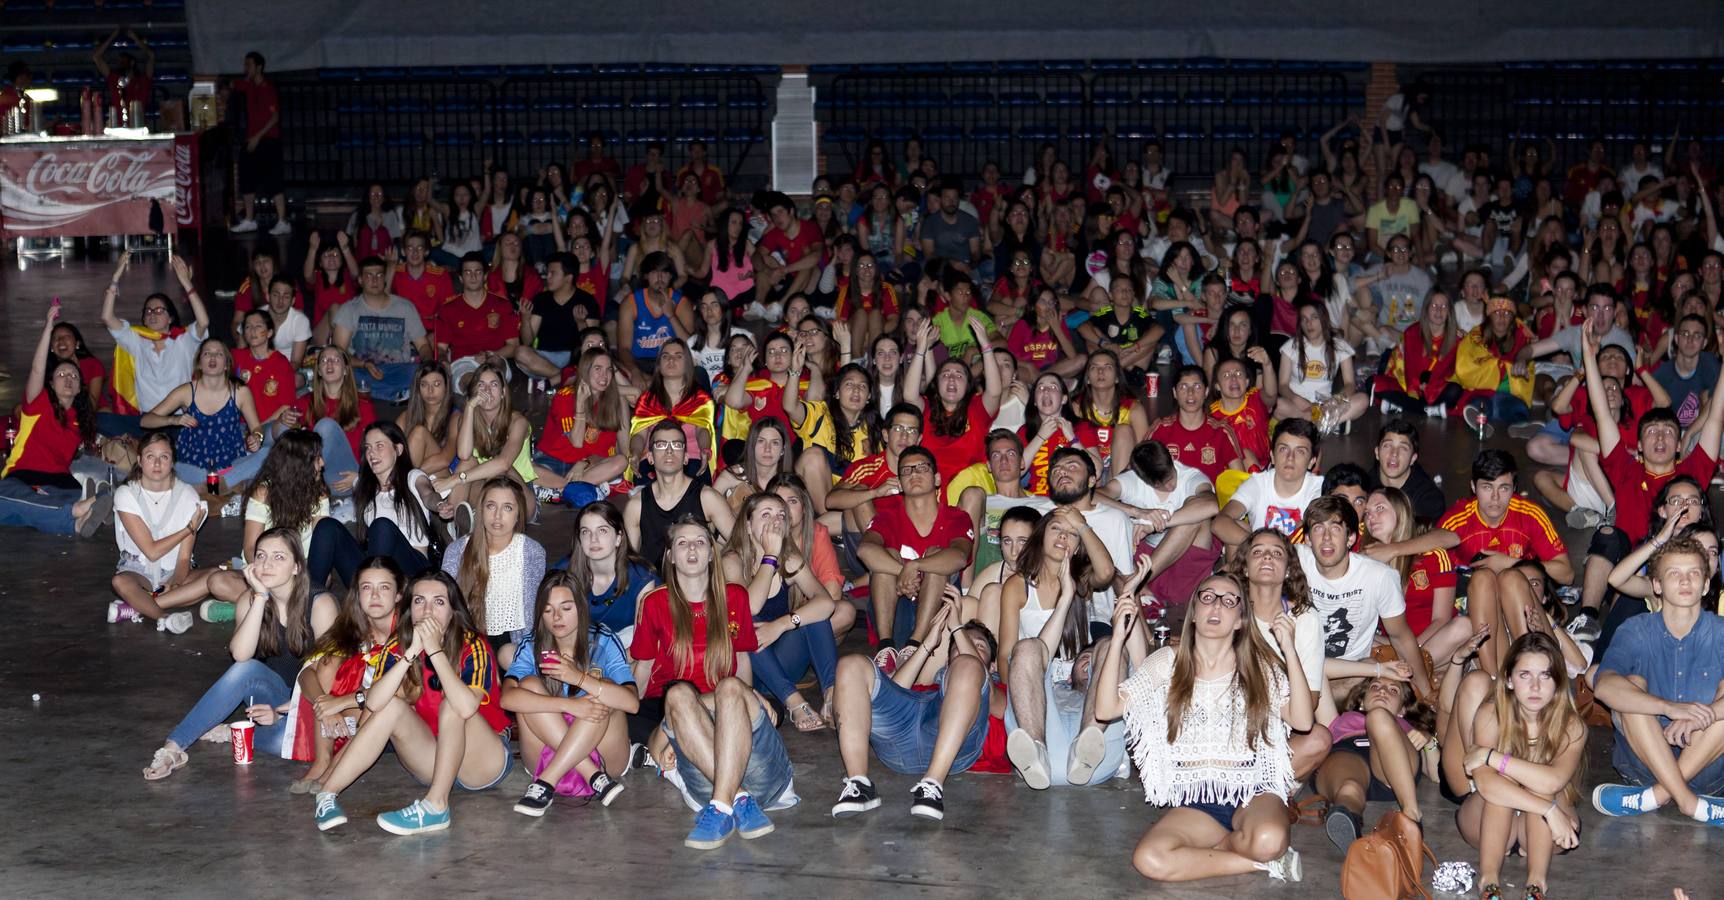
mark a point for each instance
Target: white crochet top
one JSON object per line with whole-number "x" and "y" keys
{"x": 1212, "y": 761}
{"x": 503, "y": 613}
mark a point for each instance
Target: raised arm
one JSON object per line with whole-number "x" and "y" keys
{"x": 915, "y": 372}
{"x": 110, "y": 320}
{"x": 38, "y": 378}
{"x": 994, "y": 385}
{"x": 183, "y": 272}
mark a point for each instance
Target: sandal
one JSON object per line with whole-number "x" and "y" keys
{"x": 305, "y": 786}
{"x": 806, "y": 719}
{"x": 1492, "y": 891}
{"x": 221, "y": 734}
{"x": 166, "y": 762}
{"x": 1534, "y": 892}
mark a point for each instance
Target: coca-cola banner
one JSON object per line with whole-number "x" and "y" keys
{"x": 71, "y": 187}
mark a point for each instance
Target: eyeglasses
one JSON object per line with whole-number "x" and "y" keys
{"x": 661, "y": 446}
{"x": 1227, "y": 601}
{"x": 906, "y": 429}
{"x": 1400, "y": 249}
{"x": 1020, "y": 263}
{"x": 778, "y": 351}
{"x": 916, "y": 469}
{"x": 808, "y": 332}
{"x": 156, "y": 311}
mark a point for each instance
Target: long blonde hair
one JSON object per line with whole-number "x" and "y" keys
{"x": 475, "y": 571}
{"x": 1252, "y": 662}
{"x": 490, "y": 437}
{"x": 719, "y": 661}
{"x": 1405, "y": 529}
{"x": 346, "y": 412}
{"x": 1555, "y": 721}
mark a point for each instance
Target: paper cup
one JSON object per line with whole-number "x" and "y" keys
{"x": 242, "y": 732}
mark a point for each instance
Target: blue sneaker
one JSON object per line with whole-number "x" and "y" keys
{"x": 711, "y": 829}
{"x": 751, "y": 820}
{"x": 1620, "y": 800}
{"x": 1712, "y": 812}
{"x": 416, "y": 818}
{"x": 329, "y": 814}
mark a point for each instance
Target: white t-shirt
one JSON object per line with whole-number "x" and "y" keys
{"x": 1442, "y": 174}
{"x": 1188, "y": 482}
{"x": 1267, "y": 509}
{"x": 1307, "y": 642}
{"x": 1351, "y": 607}
{"x": 386, "y": 506}
{"x": 163, "y": 513}
{"x": 296, "y": 328}
{"x": 1115, "y": 530}
{"x": 157, "y": 374}
{"x": 1315, "y": 382}
{"x": 1628, "y": 177}
{"x": 1011, "y": 414}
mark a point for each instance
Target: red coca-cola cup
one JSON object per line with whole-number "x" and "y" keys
{"x": 242, "y": 732}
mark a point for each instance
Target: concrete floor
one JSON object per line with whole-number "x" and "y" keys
{"x": 85, "y": 822}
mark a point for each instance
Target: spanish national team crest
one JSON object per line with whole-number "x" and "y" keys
{"x": 1208, "y": 456}
{"x": 1421, "y": 579}
{"x": 1102, "y": 434}
{"x": 732, "y": 626}
{"x": 270, "y": 388}
{"x": 492, "y": 320}
{"x": 760, "y": 402}
{"x": 1517, "y": 551}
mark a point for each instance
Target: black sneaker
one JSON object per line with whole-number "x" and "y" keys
{"x": 536, "y": 800}
{"x": 927, "y": 800}
{"x": 858, "y": 796}
{"x": 605, "y": 788}
{"x": 1343, "y": 827}
{"x": 1584, "y": 627}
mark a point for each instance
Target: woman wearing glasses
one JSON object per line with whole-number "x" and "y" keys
{"x": 160, "y": 349}
{"x": 1208, "y": 720}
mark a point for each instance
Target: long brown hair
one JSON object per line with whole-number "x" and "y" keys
{"x": 719, "y": 660}
{"x": 346, "y": 412}
{"x": 752, "y": 474}
{"x": 476, "y": 559}
{"x": 1252, "y": 662}
{"x": 1074, "y": 633}
{"x": 292, "y": 635}
{"x": 490, "y": 437}
{"x": 544, "y": 640}
{"x": 1294, "y": 587}
{"x": 459, "y": 634}
{"x": 1405, "y": 529}
{"x": 606, "y": 412}
{"x": 1555, "y": 722}
{"x": 790, "y": 556}
{"x": 435, "y": 420}
{"x": 582, "y": 568}
{"x": 351, "y": 630}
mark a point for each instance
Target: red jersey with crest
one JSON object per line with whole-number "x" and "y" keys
{"x": 426, "y": 293}
{"x": 1250, "y": 424}
{"x": 1208, "y": 448}
{"x": 270, "y": 379}
{"x": 1524, "y": 533}
{"x": 469, "y": 331}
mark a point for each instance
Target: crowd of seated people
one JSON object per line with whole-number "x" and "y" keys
{"x": 894, "y": 468}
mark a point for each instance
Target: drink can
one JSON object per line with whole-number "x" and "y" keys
{"x": 213, "y": 482}
{"x": 1152, "y": 385}
{"x": 242, "y": 732}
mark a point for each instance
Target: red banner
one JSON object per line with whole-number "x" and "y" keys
{"x": 74, "y": 187}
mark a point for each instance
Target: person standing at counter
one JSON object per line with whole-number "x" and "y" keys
{"x": 260, "y": 160}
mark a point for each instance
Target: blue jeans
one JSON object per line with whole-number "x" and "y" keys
{"x": 47, "y": 509}
{"x": 1504, "y": 408}
{"x": 337, "y": 453}
{"x": 1062, "y": 721}
{"x": 765, "y": 778}
{"x": 395, "y": 385}
{"x": 242, "y": 471}
{"x": 249, "y": 681}
{"x": 777, "y": 668}
{"x": 334, "y": 549}
{"x": 905, "y": 724}
{"x": 1710, "y": 780}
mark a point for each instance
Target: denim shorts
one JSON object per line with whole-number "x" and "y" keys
{"x": 1554, "y": 430}
{"x": 558, "y": 358}
{"x": 508, "y": 763}
{"x": 906, "y": 722}
{"x": 1710, "y": 780}
{"x": 766, "y": 777}
{"x": 552, "y": 464}
{"x": 1222, "y": 813}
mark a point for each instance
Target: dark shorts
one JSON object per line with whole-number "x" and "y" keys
{"x": 1360, "y": 746}
{"x": 642, "y": 724}
{"x": 260, "y": 169}
{"x": 1222, "y": 813}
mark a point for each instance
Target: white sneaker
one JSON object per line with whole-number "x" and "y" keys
{"x": 232, "y": 506}
{"x": 754, "y": 311}
{"x": 775, "y": 311}
{"x": 344, "y": 512}
{"x": 280, "y": 228}
{"x": 1086, "y": 755}
{"x": 1437, "y": 411}
{"x": 1030, "y": 757}
{"x": 1287, "y": 868}
{"x": 245, "y": 227}
{"x": 176, "y": 622}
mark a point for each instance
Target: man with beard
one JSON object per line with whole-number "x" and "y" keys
{"x": 1352, "y": 594}
{"x": 1071, "y": 482}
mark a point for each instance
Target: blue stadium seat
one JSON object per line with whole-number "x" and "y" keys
{"x": 453, "y": 139}
{"x": 1062, "y": 65}
{"x": 457, "y": 105}
{"x": 923, "y": 68}
{"x": 746, "y": 101}
{"x": 350, "y": 106}
{"x": 478, "y": 71}
{"x": 1083, "y": 132}
{"x": 845, "y": 134}
{"x": 992, "y": 131}
{"x": 689, "y": 135}
{"x": 970, "y": 68}
{"x": 407, "y": 105}
{"x": 617, "y": 68}
{"x": 650, "y": 101}
{"x": 943, "y": 134}
{"x": 523, "y": 71}
{"x": 882, "y": 101}
{"x": 404, "y": 139}
{"x": 1113, "y": 65}
{"x": 1065, "y": 98}
{"x": 1298, "y": 97}
{"x": 927, "y": 100}
{"x": 1017, "y": 67}
{"x": 894, "y": 133}
{"x": 1158, "y": 65}
{"x": 972, "y": 100}
{"x": 347, "y": 140}
{"x": 510, "y": 103}
{"x": 1253, "y": 97}
{"x": 172, "y": 76}
{"x": 1111, "y": 97}
{"x": 698, "y": 101}
{"x": 1204, "y": 97}
{"x": 510, "y": 137}
{"x": 1039, "y": 131}
{"x": 1234, "y": 132}
{"x": 1136, "y": 132}
{"x": 647, "y": 135}
{"x": 742, "y": 136}
{"x": 1185, "y": 131}
{"x": 602, "y": 101}
{"x": 1158, "y": 98}
{"x": 549, "y": 136}
{"x": 664, "y": 68}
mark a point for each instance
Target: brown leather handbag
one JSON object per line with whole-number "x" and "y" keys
{"x": 1387, "y": 863}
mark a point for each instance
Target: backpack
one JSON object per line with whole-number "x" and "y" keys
{"x": 1387, "y": 863}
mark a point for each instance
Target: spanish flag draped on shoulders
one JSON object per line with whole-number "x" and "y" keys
{"x": 1421, "y": 366}
{"x": 123, "y": 386}
{"x": 695, "y": 412}
{"x": 1484, "y": 360}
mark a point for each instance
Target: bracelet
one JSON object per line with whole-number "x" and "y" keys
{"x": 769, "y": 561}
{"x": 1502, "y": 762}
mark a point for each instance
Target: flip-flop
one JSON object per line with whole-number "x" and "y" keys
{"x": 305, "y": 786}
{"x": 174, "y": 760}
{"x": 796, "y": 718}
{"x": 100, "y": 510}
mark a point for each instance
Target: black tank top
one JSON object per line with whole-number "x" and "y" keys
{"x": 656, "y": 521}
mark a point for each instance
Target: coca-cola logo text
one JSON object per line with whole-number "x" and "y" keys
{"x": 183, "y": 183}
{"x": 115, "y": 173}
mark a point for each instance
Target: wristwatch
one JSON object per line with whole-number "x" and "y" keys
{"x": 462, "y": 476}
{"x": 359, "y": 697}
{"x": 795, "y": 620}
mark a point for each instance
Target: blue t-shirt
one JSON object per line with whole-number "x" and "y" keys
{"x": 1685, "y": 392}
{"x": 617, "y": 611}
{"x": 604, "y": 652}
{"x": 1680, "y": 671}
